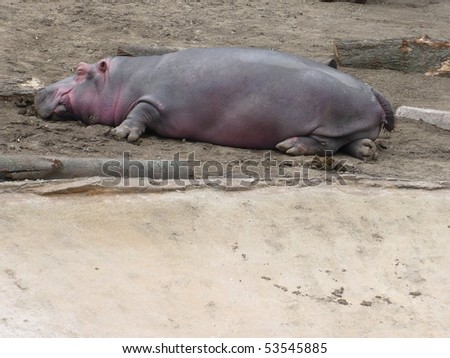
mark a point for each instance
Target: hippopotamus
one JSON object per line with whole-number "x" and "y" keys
{"x": 238, "y": 97}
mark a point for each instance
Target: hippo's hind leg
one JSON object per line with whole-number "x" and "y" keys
{"x": 307, "y": 145}
{"x": 364, "y": 149}
{"x": 143, "y": 116}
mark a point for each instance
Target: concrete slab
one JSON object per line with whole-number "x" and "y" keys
{"x": 339, "y": 261}
{"x": 438, "y": 118}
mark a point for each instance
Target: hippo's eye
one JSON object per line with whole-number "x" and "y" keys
{"x": 81, "y": 71}
{"x": 82, "y": 68}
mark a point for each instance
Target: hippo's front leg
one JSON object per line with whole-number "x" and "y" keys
{"x": 300, "y": 146}
{"x": 142, "y": 117}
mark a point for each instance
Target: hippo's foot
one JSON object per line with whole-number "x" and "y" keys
{"x": 300, "y": 146}
{"x": 141, "y": 117}
{"x": 364, "y": 149}
{"x": 128, "y": 130}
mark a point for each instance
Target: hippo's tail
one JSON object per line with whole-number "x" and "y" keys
{"x": 389, "y": 118}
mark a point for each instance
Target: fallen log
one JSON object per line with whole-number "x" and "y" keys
{"x": 412, "y": 3}
{"x": 145, "y": 50}
{"x": 444, "y": 70}
{"x": 403, "y": 54}
{"x": 19, "y": 88}
{"x": 21, "y": 167}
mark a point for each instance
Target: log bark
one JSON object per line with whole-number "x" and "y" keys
{"x": 146, "y": 50}
{"x": 407, "y": 54}
{"x": 443, "y": 71}
{"x": 19, "y": 167}
{"x": 19, "y": 88}
{"x": 412, "y": 3}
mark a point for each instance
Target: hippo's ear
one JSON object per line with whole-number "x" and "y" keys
{"x": 102, "y": 66}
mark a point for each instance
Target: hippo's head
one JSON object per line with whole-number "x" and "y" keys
{"x": 75, "y": 97}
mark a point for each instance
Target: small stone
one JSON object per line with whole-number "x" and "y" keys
{"x": 415, "y": 293}
{"x": 338, "y": 292}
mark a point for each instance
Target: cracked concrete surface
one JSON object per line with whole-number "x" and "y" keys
{"x": 329, "y": 261}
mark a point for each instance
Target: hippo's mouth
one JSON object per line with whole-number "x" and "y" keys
{"x": 63, "y": 109}
{"x": 49, "y": 107}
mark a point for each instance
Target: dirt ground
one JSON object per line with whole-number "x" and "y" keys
{"x": 48, "y": 40}
{"x": 388, "y": 255}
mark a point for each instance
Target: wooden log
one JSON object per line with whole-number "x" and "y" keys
{"x": 145, "y": 50}
{"x": 407, "y": 54}
{"x": 443, "y": 71}
{"x": 19, "y": 88}
{"x": 20, "y": 167}
{"x": 412, "y": 3}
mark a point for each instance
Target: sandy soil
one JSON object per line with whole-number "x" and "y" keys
{"x": 218, "y": 263}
